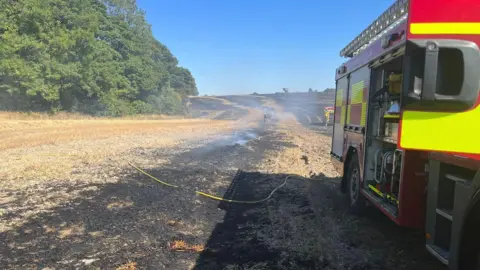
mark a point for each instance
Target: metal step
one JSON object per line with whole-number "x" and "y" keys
{"x": 457, "y": 179}
{"x": 446, "y": 213}
{"x": 439, "y": 253}
{"x": 381, "y": 201}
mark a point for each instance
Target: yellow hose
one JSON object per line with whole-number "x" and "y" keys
{"x": 151, "y": 176}
{"x": 213, "y": 196}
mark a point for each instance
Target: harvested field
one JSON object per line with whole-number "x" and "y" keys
{"x": 16, "y": 134}
{"x": 70, "y": 200}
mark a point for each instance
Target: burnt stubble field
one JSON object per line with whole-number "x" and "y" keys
{"x": 74, "y": 202}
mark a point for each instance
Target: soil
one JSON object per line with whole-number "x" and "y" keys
{"x": 101, "y": 213}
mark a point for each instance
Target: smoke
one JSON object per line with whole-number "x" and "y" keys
{"x": 306, "y": 108}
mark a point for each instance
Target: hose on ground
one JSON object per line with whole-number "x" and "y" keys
{"x": 204, "y": 194}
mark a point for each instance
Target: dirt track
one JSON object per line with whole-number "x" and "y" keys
{"x": 90, "y": 210}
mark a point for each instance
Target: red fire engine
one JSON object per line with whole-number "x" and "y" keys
{"x": 329, "y": 111}
{"x": 407, "y": 123}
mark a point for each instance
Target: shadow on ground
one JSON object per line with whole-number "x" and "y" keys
{"x": 304, "y": 226}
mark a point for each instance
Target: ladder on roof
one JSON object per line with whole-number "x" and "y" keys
{"x": 394, "y": 15}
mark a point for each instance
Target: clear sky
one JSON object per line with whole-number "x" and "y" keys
{"x": 246, "y": 46}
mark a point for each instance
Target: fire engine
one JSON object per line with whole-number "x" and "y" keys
{"x": 328, "y": 111}
{"x": 406, "y": 133}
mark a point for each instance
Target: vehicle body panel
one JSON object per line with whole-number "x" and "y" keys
{"x": 374, "y": 51}
{"x": 340, "y": 117}
{"x": 358, "y": 97}
{"x": 355, "y": 140}
{"x": 412, "y": 195}
{"x": 452, "y": 131}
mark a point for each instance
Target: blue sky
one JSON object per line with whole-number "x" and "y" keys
{"x": 246, "y": 46}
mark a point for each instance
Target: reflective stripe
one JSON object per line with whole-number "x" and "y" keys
{"x": 339, "y": 100}
{"x": 363, "y": 121}
{"x": 472, "y": 28}
{"x": 340, "y": 104}
{"x": 349, "y": 114}
{"x": 357, "y": 93}
{"x": 342, "y": 116}
{"x": 441, "y": 131}
{"x": 357, "y": 109}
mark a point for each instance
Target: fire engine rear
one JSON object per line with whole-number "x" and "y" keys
{"x": 407, "y": 123}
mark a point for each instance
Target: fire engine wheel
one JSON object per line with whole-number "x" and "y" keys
{"x": 356, "y": 199}
{"x": 470, "y": 250}
{"x": 477, "y": 265}
{"x": 470, "y": 260}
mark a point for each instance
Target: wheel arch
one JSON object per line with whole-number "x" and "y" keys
{"x": 351, "y": 151}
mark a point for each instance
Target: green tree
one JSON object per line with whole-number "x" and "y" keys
{"x": 91, "y": 56}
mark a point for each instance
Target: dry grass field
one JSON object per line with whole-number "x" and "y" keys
{"x": 36, "y": 147}
{"x": 31, "y": 133}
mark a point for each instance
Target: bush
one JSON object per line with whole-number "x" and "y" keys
{"x": 117, "y": 107}
{"x": 142, "y": 107}
{"x": 168, "y": 102}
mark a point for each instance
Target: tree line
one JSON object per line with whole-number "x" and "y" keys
{"x": 89, "y": 56}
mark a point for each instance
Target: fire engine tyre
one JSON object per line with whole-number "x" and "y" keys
{"x": 355, "y": 197}
{"x": 470, "y": 251}
{"x": 470, "y": 260}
